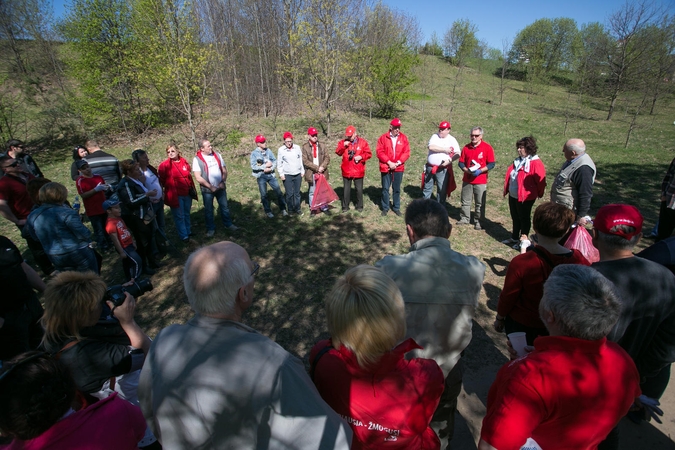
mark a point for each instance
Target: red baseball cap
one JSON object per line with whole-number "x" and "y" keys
{"x": 260, "y": 139}
{"x": 618, "y": 214}
{"x": 444, "y": 125}
{"x": 312, "y": 131}
{"x": 288, "y": 135}
{"x": 396, "y": 122}
{"x": 350, "y": 130}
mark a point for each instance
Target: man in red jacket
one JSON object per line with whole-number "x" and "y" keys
{"x": 393, "y": 150}
{"x": 355, "y": 151}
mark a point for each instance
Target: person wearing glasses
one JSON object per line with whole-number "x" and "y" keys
{"x": 477, "y": 158}
{"x": 175, "y": 177}
{"x": 38, "y": 392}
{"x": 216, "y": 383}
{"x": 17, "y": 150}
{"x": 315, "y": 158}
{"x": 16, "y": 204}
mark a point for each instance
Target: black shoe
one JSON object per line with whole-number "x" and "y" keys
{"x": 384, "y": 213}
{"x": 398, "y": 213}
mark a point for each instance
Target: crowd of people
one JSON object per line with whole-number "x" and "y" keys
{"x": 82, "y": 372}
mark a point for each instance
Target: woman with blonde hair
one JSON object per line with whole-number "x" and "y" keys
{"x": 175, "y": 176}
{"x": 61, "y": 232}
{"x": 362, "y": 373}
{"x": 104, "y": 356}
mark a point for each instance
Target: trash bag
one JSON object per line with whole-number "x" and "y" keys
{"x": 324, "y": 195}
{"x": 580, "y": 239}
{"x": 451, "y": 183}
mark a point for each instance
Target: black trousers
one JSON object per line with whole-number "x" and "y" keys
{"x": 347, "y": 194}
{"x": 521, "y": 216}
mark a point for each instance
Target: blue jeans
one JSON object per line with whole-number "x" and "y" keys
{"x": 292, "y": 185}
{"x": 221, "y": 197}
{"x": 396, "y": 190}
{"x": 81, "y": 260}
{"x": 274, "y": 184}
{"x": 98, "y": 224}
{"x": 439, "y": 179}
{"x": 181, "y": 217}
{"x": 159, "y": 214}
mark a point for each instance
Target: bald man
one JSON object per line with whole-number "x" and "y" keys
{"x": 573, "y": 186}
{"x": 216, "y": 383}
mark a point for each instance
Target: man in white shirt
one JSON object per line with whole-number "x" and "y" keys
{"x": 211, "y": 174}
{"x": 291, "y": 170}
{"x": 443, "y": 149}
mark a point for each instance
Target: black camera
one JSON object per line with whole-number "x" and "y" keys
{"x": 116, "y": 295}
{"x": 260, "y": 162}
{"x": 351, "y": 154}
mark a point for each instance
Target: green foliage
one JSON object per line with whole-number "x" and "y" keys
{"x": 392, "y": 72}
{"x": 547, "y": 45}
{"x": 460, "y": 41}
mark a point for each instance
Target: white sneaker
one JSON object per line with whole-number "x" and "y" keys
{"x": 284, "y": 213}
{"x": 510, "y": 241}
{"x": 210, "y": 233}
{"x": 270, "y": 215}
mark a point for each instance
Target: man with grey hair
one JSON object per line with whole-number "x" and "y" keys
{"x": 440, "y": 288}
{"x": 646, "y": 327}
{"x": 551, "y": 396}
{"x": 573, "y": 186}
{"x": 216, "y": 383}
{"x": 477, "y": 158}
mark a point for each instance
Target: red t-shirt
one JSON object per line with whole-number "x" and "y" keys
{"x": 568, "y": 393}
{"x": 13, "y": 191}
{"x": 388, "y": 406}
{"x": 117, "y": 226}
{"x": 93, "y": 205}
{"x": 483, "y": 154}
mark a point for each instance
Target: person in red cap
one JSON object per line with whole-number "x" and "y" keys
{"x": 646, "y": 326}
{"x": 393, "y": 150}
{"x": 291, "y": 171}
{"x": 263, "y": 164}
{"x": 477, "y": 158}
{"x": 443, "y": 149}
{"x": 315, "y": 158}
{"x": 355, "y": 151}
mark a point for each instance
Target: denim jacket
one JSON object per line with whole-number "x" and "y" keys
{"x": 257, "y": 170}
{"x": 58, "y": 228}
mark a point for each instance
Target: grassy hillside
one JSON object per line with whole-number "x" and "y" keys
{"x": 301, "y": 257}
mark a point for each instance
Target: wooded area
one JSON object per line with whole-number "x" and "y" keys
{"x": 111, "y": 66}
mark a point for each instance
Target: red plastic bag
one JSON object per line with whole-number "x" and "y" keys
{"x": 324, "y": 195}
{"x": 580, "y": 239}
{"x": 452, "y": 184}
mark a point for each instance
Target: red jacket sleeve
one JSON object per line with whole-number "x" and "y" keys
{"x": 540, "y": 172}
{"x": 340, "y": 149}
{"x": 366, "y": 153}
{"x": 506, "y": 179}
{"x": 405, "y": 152}
{"x": 381, "y": 149}
{"x": 513, "y": 285}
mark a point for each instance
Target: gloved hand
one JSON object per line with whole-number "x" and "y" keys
{"x": 477, "y": 172}
{"x": 101, "y": 187}
{"x": 651, "y": 406}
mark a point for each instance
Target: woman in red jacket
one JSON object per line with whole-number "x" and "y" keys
{"x": 518, "y": 305}
{"x": 355, "y": 151}
{"x": 525, "y": 181}
{"x": 363, "y": 375}
{"x": 175, "y": 176}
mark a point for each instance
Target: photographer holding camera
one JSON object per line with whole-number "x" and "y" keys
{"x": 105, "y": 356}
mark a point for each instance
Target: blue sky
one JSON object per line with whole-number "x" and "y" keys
{"x": 499, "y": 19}
{"x": 496, "y": 19}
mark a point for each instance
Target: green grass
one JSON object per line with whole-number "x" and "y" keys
{"x": 301, "y": 257}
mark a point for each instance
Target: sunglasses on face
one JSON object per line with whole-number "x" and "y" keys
{"x": 475, "y": 135}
